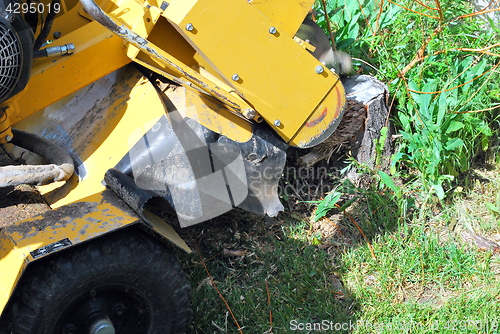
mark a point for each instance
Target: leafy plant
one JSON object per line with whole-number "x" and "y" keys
{"x": 441, "y": 68}
{"x": 327, "y": 204}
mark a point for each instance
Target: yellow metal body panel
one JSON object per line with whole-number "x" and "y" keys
{"x": 159, "y": 226}
{"x": 126, "y": 106}
{"x": 90, "y": 218}
{"x": 327, "y": 117}
{"x": 98, "y": 53}
{"x": 94, "y": 216}
{"x": 210, "y": 113}
{"x": 272, "y": 72}
{"x": 5, "y": 130}
{"x": 286, "y": 14}
{"x": 284, "y": 90}
{"x": 229, "y": 54}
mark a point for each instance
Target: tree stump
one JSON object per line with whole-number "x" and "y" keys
{"x": 359, "y": 131}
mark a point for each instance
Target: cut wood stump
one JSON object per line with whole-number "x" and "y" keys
{"x": 367, "y": 113}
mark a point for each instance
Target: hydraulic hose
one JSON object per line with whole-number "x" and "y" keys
{"x": 44, "y": 33}
{"x": 60, "y": 165}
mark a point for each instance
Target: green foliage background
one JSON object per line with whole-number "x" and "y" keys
{"x": 440, "y": 62}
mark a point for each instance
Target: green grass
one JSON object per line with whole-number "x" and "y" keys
{"x": 415, "y": 280}
{"x": 300, "y": 279}
{"x": 414, "y": 252}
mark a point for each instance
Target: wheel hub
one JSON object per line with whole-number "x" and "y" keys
{"x": 102, "y": 326}
{"x": 106, "y": 310}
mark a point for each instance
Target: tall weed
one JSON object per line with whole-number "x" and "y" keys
{"x": 441, "y": 67}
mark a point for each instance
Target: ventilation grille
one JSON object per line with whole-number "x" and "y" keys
{"x": 10, "y": 60}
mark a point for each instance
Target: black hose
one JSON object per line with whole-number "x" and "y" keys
{"x": 60, "y": 167}
{"x": 44, "y": 33}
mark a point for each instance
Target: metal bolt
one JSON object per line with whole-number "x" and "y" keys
{"x": 8, "y": 138}
{"x": 272, "y": 30}
{"x": 57, "y": 34}
{"x": 249, "y": 113}
{"x": 277, "y": 123}
{"x": 119, "y": 309}
{"x": 319, "y": 69}
{"x": 189, "y": 27}
{"x": 102, "y": 326}
{"x": 235, "y": 77}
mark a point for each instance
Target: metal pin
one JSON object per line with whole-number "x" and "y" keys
{"x": 189, "y": 27}
{"x": 272, "y": 30}
{"x": 319, "y": 69}
{"x": 277, "y": 123}
{"x": 249, "y": 113}
{"x": 235, "y": 77}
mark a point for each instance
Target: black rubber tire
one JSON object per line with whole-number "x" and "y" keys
{"x": 125, "y": 264}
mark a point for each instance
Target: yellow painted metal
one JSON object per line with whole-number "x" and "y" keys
{"x": 98, "y": 53}
{"x": 286, "y": 91}
{"x": 162, "y": 228}
{"x": 286, "y": 14}
{"x": 159, "y": 60}
{"x": 5, "y": 130}
{"x": 134, "y": 107}
{"x": 163, "y": 63}
{"x": 92, "y": 217}
{"x": 304, "y": 44}
{"x": 278, "y": 78}
{"x": 210, "y": 113}
{"x": 327, "y": 117}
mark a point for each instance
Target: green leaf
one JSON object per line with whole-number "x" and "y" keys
{"x": 327, "y": 204}
{"x": 315, "y": 242}
{"x": 387, "y": 180}
{"x": 455, "y": 126}
{"x": 442, "y": 108}
{"x": 493, "y": 208}
{"x": 439, "y": 190}
{"x": 454, "y": 143}
{"x": 347, "y": 204}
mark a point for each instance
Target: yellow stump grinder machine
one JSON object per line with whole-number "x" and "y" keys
{"x": 121, "y": 108}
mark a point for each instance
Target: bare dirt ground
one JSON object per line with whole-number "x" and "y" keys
{"x": 20, "y": 202}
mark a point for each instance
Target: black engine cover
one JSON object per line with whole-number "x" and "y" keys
{"x": 16, "y": 52}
